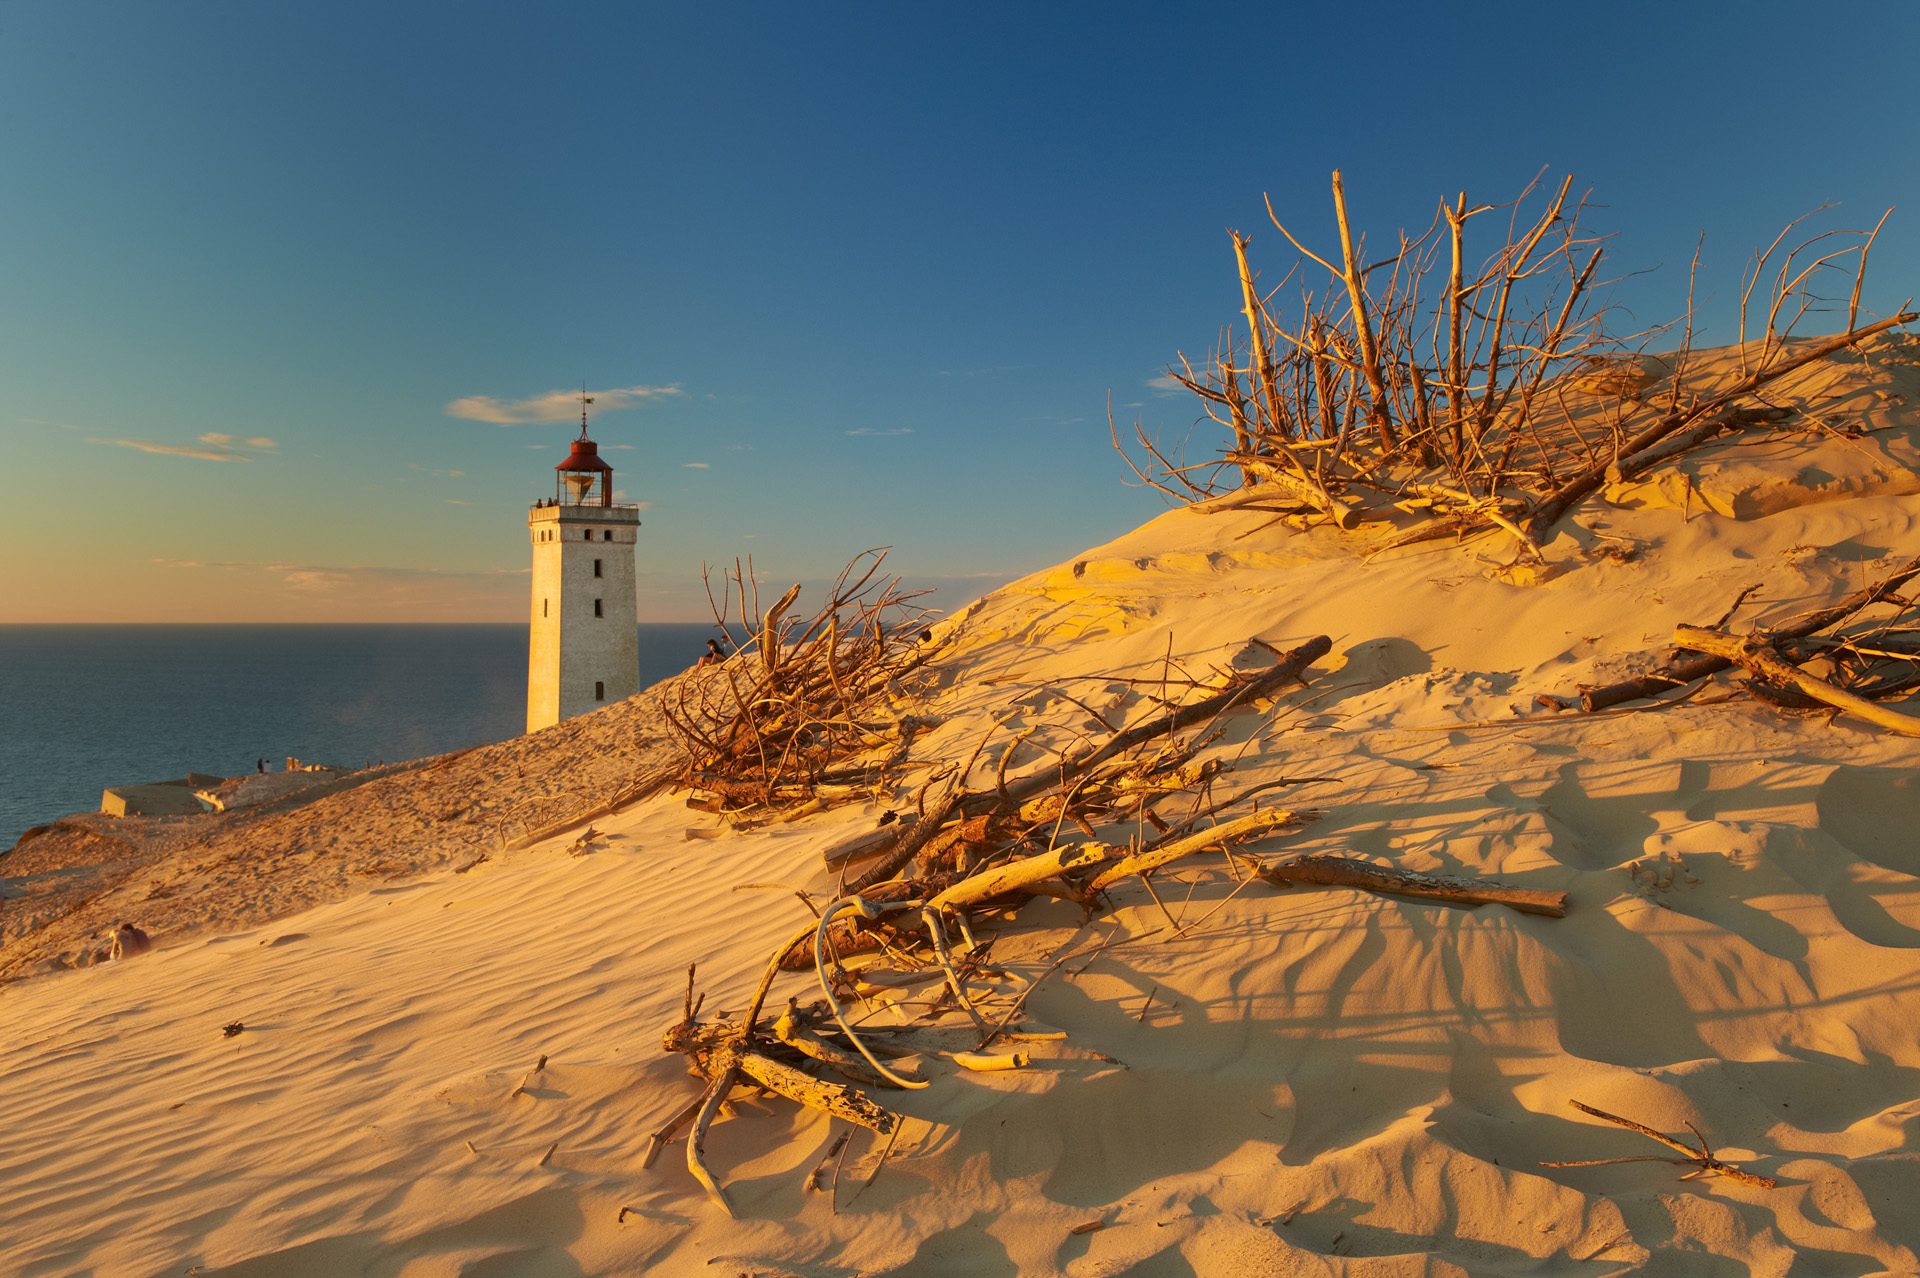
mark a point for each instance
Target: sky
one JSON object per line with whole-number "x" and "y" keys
{"x": 294, "y": 297}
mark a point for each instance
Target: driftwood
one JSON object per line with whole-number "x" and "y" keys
{"x": 1022, "y": 874}
{"x": 1574, "y": 490}
{"x": 728, "y": 1054}
{"x": 1421, "y": 375}
{"x": 1701, "y": 1160}
{"x": 1228, "y": 832}
{"x": 1758, "y": 656}
{"x": 967, "y": 849}
{"x": 1689, "y": 667}
{"x": 956, "y": 800}
{"x": 1343, "y": 871}
{"x": 834, "y": 1099}
{"x": 770, "y": 735}
{"x": 790, "y": 1030}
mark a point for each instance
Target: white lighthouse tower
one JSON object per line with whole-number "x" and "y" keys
{"x": 582, "y": 648}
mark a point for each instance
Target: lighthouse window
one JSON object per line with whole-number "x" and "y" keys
{"x": 607, "y": 535}
{"x": 596, "y": 567}
{"x": 599, "y": 690}
{"x": 589, "y": 534}
{"x": 596, "y": 608}
{"x": 543, "y": 607}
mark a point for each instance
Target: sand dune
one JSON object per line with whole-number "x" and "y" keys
{"x": 1252, "y": 1080}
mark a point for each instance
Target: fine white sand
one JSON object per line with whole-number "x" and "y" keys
{"x": 1253, "y": 1081}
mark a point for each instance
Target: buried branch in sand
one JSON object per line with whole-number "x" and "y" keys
{"x": 1701, "y": 1160}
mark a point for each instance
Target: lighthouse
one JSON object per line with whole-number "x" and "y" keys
{"x": 582, "y": 647}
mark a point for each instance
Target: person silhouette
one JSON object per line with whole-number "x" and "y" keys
{"x": 128, "y": 941}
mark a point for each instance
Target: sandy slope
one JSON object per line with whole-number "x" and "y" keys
{"x": 1314, "y": 1081}
{"x": 68, "y": 886}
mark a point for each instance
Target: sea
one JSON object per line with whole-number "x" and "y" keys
{"x": 87, "y": 707}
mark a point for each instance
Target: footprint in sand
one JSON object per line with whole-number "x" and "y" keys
{"x": 1655, "y": 876}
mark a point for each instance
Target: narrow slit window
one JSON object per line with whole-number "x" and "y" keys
{"x": 543, "y": 607}
{"x": 599, "y": 690}
{"x": 596, "y": 567}
{"x": 596, "y": 609}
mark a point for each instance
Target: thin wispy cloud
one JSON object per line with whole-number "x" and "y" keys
{"x": 41, "y": 421}
{"x": 254, "y": 443}
{"x": 553, "y": 406}
{"x": 314, "y": 579}
{"x": 697, "y": 465}
{"x": 212, "y": 453}
{"x": 1164, "y": 385}
{"x": 874, "y": 433}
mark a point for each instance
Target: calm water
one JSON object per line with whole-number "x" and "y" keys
{"x": 86, "y": 707}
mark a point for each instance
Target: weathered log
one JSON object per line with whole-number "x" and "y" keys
{"x": 1025, "y": 872}
{"x": 911, "y": 840}
{"x": 1246, "y": 827}
{"x": 1344, "y": 871}
{"x": 872, "y": 843}
{"x": 1688, "y": 668}
{"x": 835, "y": 1099}
{"x": 1675, "y": 674}
{"x": 1760, "y": 658}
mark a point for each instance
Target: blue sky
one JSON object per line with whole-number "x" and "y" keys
{"x": 869, "y": 274}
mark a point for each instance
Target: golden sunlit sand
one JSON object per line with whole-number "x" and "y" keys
{"x": 1251, "y": 1080}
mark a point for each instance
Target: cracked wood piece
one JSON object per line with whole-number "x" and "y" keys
{"x": 1022, "y": 873}
{"x": 835, "y": 1099}
{"x": 1246, "y": 827}
{"x": 1344, "y": 871}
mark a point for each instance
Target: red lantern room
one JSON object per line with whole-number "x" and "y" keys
{"x": 583, "y": 479}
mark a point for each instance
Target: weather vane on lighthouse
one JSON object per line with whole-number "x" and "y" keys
{"x": 582, "y": 646}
